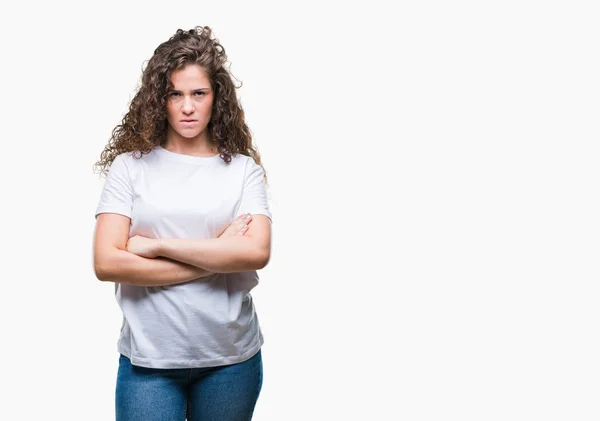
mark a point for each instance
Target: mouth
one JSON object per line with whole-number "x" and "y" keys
{"x": 188, "y": 121}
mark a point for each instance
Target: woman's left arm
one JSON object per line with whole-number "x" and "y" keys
{"x": 239, "y": 253}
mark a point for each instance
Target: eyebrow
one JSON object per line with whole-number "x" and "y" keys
{"x": 193, "y": 90}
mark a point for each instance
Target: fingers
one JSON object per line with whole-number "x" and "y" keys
{"x": 244, "y": 218}
{"x": 239, "y": 226}
{"x": 243, "y": 221}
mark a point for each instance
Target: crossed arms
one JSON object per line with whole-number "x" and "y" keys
{"x": 244, "y": 245}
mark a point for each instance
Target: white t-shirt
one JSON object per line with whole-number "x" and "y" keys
{"x": 206, "y": 322}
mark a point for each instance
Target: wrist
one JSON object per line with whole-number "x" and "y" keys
{"x": 160, "y": 247}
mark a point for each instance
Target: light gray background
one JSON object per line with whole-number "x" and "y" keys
{"x": 434, "y": 183}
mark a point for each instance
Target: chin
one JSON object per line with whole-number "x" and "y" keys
{"x": 189, "y": 134}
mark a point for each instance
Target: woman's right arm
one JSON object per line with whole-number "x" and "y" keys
{"x": 113, "y": 263}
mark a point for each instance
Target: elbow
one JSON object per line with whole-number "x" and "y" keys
{"x": 99, "y": 272}
{"x": 102, "y": 270}
{"x": 262, "y": 259}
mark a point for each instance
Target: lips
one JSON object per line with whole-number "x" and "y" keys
{"x": 189, "y": 121}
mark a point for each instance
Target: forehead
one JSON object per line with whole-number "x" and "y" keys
{"x": 192, "y": 76}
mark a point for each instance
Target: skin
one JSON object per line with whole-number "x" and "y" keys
{"x": 190, "y": 99}
{"x": 226, "y": 254}
{"x": 150, "y": 247}
{"x": 113, "y": 263}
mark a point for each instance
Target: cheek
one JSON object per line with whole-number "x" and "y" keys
{"x": 207, "y": 109}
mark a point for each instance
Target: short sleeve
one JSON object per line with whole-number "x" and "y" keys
{"x": 117, "y": 193}
{"x": 254, "y": 194}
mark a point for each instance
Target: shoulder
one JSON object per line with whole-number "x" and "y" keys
{"x": 130, "y": 163}
{"x": 124, "y": 158}
{"x": 133, "y": 158}
{"x": 240, "y": 158}
{"x": 241, "y": 161}
{"x": 251, "y": 168}
{"x": 244, "y": 160}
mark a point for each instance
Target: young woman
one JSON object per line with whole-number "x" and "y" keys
{"x": 182, "y": 226}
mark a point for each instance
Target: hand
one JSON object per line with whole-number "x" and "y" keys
{"x": 238, "y": 227}
{"x": 143, "y": 246}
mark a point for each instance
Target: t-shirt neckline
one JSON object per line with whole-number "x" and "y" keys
{"x": 187, "y": 158}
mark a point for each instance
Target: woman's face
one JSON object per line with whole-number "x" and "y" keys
{"x": 190, "y": 101}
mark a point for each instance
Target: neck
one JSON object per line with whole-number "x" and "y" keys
{"x": 196, "y": 146}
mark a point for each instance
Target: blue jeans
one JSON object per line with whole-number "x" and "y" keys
{"x": 223, "y": 393}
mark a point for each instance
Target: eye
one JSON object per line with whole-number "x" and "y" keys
{"x": 173, "y": 94}
{"x": 200, "y": 93}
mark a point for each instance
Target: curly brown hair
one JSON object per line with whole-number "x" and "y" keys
{"x": 145, "y": 124}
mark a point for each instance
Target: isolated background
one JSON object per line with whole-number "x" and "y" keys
{"x": 433, "y": 176}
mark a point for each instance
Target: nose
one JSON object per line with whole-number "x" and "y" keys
{"x": 188, "y": 105}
